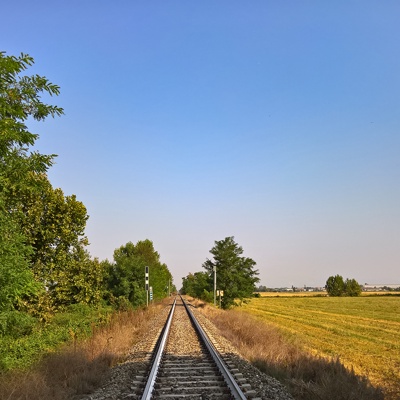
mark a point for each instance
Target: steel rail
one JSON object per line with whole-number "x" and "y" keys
{"x": 148, "y": 390}
{"x": 228, "y": 377}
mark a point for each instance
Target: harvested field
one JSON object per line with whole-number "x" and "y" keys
{"x": 362, "y": 331}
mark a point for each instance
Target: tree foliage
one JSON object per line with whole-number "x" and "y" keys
{"x": 336, "y": 286}
{"x": 49, "y": 226}
{"x": 20, "y": 99}
{"x": 16, "y": 278}
{"x": 44, "y": 264}
{"x": 236, "y": 275}
{"x": 126, "y": 275}
{"x": 199, "y": 285}
{"x": 352, "y": 288}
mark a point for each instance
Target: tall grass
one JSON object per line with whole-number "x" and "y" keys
{"x": 81, "y": 365}
{"x": 307, "y": 377}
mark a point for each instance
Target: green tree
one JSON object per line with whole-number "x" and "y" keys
{"x": 352, "y": 288}
{"x": 80, "y": 281}
{"x": 125, "y": 280}
{"x": 21, "y": 169}
{"x": 51, "y": 224}
{"x": 125, "y": 276}
{"x": 236, "y": 275}
{"x": 16, "y": 278}
{"x": 198, "y": 285}
{"x": 54, "y": 225}
{"x": 160, "y": 276}
{"x": 335, "y": 286}
{"x": 20, "y": 99}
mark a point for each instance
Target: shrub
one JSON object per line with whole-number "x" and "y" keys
{"x": 16, "y": 324}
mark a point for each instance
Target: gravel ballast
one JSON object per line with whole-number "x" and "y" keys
{"x": 126, "y": 377}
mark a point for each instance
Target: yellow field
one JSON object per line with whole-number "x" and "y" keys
{"x": 363, "y": 331}
{"x": 292, "y": 294}
{"x": 319, "y": 294}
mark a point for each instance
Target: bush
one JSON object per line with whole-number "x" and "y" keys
{"x": 16, "y": 324}
{"x": 27, "y": 340}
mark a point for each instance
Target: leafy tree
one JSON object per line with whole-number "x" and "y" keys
{"x": 199, "y": 285}
{"x": 125, "y": 277}
{"x": 160, "y": 276}
{"x": 51, "y": 224}
{"x": 352, "y": 288}
{"x": 160, "y": 280}
{"x": 16, "y": 279}
{"x": 187, "y": 283}
{"x": 336, "y": 286}
{"x": 54, "y": 225}
{"x": 20, "y": 99}
{"x": 236, "y": 275}
{"x": 20, "y": 169}
{"x": 77, "y": 279}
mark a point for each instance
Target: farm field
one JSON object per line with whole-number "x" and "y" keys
{"x": 363, "y": 331}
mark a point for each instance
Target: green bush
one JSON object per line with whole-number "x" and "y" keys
{"x": 16, "y": 324}
{"x": 29, "y": 341}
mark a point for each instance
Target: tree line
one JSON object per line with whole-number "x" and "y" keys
{"x": 336, "y": 286}
{"x": 232, "y": 275}
{"x": 44, "y": 262}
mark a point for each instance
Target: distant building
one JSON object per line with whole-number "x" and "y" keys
{"x": 368, "y": 287}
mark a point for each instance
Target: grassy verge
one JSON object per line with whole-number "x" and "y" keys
{"x": 74, "y": 354}
{"x": 285, "y": 357}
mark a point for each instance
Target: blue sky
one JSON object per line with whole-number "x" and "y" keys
{"x": 185, "y": 122}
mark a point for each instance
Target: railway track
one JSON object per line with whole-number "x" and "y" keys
{"x": 186, "y": 365}
{"x": 184, "y": 371}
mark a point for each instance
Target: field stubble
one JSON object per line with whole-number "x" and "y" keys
{"x": 363, "y": 332}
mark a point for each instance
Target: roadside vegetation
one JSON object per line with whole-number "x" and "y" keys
{"x": 83, "y": 363}
{"x": 51, "y": 290}
{"x": 281, "y": 349}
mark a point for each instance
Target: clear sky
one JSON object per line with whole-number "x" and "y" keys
{"x": 276, "y": 122}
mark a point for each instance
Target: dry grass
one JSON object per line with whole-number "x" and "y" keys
{"x": 81, "y": 366}
{"x": 291, "y": 294}
{"x": 321, "y": 294}
{"x": 306, "y": 376}
{"x": 362, "y": 331}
